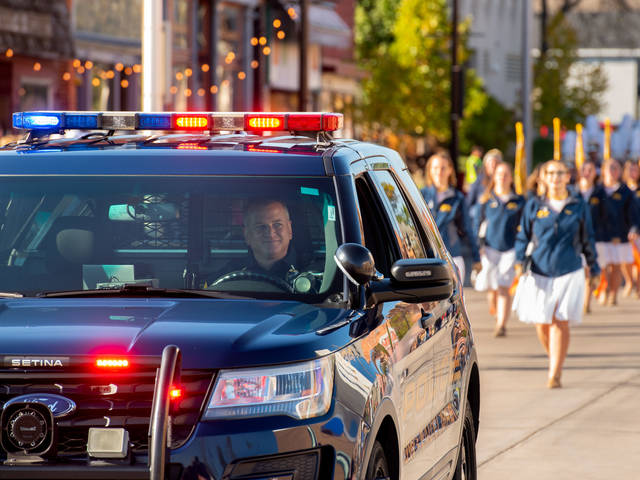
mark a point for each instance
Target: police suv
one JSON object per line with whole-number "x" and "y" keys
{"x": 225, "y": 296}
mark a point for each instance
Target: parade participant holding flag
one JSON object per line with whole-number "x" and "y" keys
{"x": 593, "y": 194}
{"x": 449, "y": 209}
{"x": 621, "y": 226}
{"x": 555, "y": 231}
{"x": 496, "y": 225}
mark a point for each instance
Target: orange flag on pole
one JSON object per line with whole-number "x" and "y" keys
{"x": 556, "y": 139}
{"x": 606, "y": 155}
{"x": 579, "y": 147}
{"x": 520, "y": 170}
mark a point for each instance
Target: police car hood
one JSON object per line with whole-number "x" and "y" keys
{"x": 210, "y": 333}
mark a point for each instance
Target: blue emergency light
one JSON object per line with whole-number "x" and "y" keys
{"x": 57, "y": 122}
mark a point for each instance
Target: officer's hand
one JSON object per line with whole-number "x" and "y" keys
{"x": 518, "y": 268}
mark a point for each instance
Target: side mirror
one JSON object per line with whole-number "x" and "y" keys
{"x": 414, "y": 281}
{"x": 356, "y": 262}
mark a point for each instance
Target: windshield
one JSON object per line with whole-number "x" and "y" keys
{"x": 265, "y": 237}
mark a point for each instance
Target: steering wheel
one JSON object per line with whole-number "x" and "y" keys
{"x": 248, "y": 275}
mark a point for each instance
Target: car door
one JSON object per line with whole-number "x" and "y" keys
{"x": 409, "y": 327}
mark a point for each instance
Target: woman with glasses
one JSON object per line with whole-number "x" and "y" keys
{"x": 449, "y": 209}
{"x": 621, "y": 226}
{"x": 497, "y": 222}
{"x": 555, "y": 231}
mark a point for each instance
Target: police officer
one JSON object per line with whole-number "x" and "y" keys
{"x": 555, "y": 231}
{"x": 449, "y": 209}
{"x": 497, "y": 222}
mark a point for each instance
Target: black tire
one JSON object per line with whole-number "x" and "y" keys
{"x": 466, "y": 468}
{"x": 378, "y": 467}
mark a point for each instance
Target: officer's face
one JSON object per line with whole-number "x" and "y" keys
{"x": 268, "y": 232}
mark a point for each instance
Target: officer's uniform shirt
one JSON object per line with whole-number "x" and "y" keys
{"x": 502, "y": 220}
{"x": 560, "y": 237}
{"x": 452, "y": 219}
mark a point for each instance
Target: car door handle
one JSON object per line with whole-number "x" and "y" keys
{"x": 427, "y": 320}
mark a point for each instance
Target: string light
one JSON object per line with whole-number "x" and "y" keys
{"x": 277, "y": 23}
{"x": 188, "y": 72}
{"x": 263, "y": 40}
{"x": 225, "y": 83}
{"x": 95, "y": 82}
{"x": 124, "y": 83}
{"x": 88, "y": 64}
{"x": 179, "y": 76}
{"x": 254, "y": 41}
{"x": 119, "y": 66}
{"x": 266, "y": 50}
{"x": 137, "y": 68}
{"x": 66, "y": 76}
{"x": 292, "y": 12}
{"x": 110, "y": 74}
{"x": 22, "y": 92}
{"x": 187, "y": 92}
{"x": 80, "y": 70}
{"x": 103, "y": 75}
{"x": 200, "y": 92}
{"x": 128, "y": 71}
{"x": 76, "y": 63}
{"x": 280, "y": 34}
{"x": 37, "y": 66}
{"x": 213, "y": 89}
{"x": 242, "y": 75}
{"x": 9, "y": 53}
{"x": 173, "y": 89}
{"x": 204, "y": 67}
{"x": 254, "y": 64}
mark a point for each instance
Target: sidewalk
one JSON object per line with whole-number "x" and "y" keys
{"x": 589, "y": 429}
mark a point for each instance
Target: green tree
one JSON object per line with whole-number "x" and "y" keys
{"x": 405, "y": 46}
{"x": 560, "y": 90}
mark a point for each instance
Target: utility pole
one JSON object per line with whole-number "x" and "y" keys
{"x": 527, "y": 81}
{"x": 303, "y": 94}
{"x": 456, "y": 101}
{"x": 152, "y": 73}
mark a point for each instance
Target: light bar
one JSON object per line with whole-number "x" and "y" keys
{"x": 58, "y": 121}
{"x": 112, "y": 363}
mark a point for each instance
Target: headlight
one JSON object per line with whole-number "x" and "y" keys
{"x": 302, "y": 390}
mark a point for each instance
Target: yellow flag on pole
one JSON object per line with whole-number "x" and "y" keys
{"x": 520, "y": 170}
{"x": 556, "y": 139}
{"x": 579, "y": 147}
{"x": 606, "y": 155}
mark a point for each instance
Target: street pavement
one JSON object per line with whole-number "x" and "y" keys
{"x": 590, "y": 428}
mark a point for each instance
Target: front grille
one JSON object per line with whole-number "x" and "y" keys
{"x": 99, "y": 404}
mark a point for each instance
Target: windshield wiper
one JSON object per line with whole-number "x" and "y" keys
{"x": 141, "y": 291}
{"x": 11, "y": 295}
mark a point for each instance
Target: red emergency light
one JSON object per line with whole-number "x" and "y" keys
{"x": 175, "y": 393}
{"x": 264, "y": 122}
{"x": 191, "y": 122}
{"x": 112, "y": 363}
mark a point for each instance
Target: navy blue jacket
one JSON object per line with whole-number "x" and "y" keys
{"x": 560, "y": 238}
{"x": 597, "y": 210}
{"x": 453, "y": 221}
{"x": 503, "y": 219}
{"x": 621, "y": 215}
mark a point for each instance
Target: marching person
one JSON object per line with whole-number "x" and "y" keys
{"x": 593, "y": 194}
{"x": 555, "y": 231}
{"x": 496, "y": 226}
{"x": 621, "y": 216}
{"x": 449, "y": 210}
{"x": 631, "y": 178}
{"x": 477, "y": 188}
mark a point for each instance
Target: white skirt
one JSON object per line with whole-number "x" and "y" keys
{"x": 539, "y": 299}
{"x": 610, "y": 253}
{"x": 497, "y": 269}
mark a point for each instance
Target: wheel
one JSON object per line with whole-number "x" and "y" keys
{"x": 466, "y": 469}
{"x": 249, "y": 276}
{"x": 378, "y": 468}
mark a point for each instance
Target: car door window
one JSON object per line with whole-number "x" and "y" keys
{"x": 409, "y": 237}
